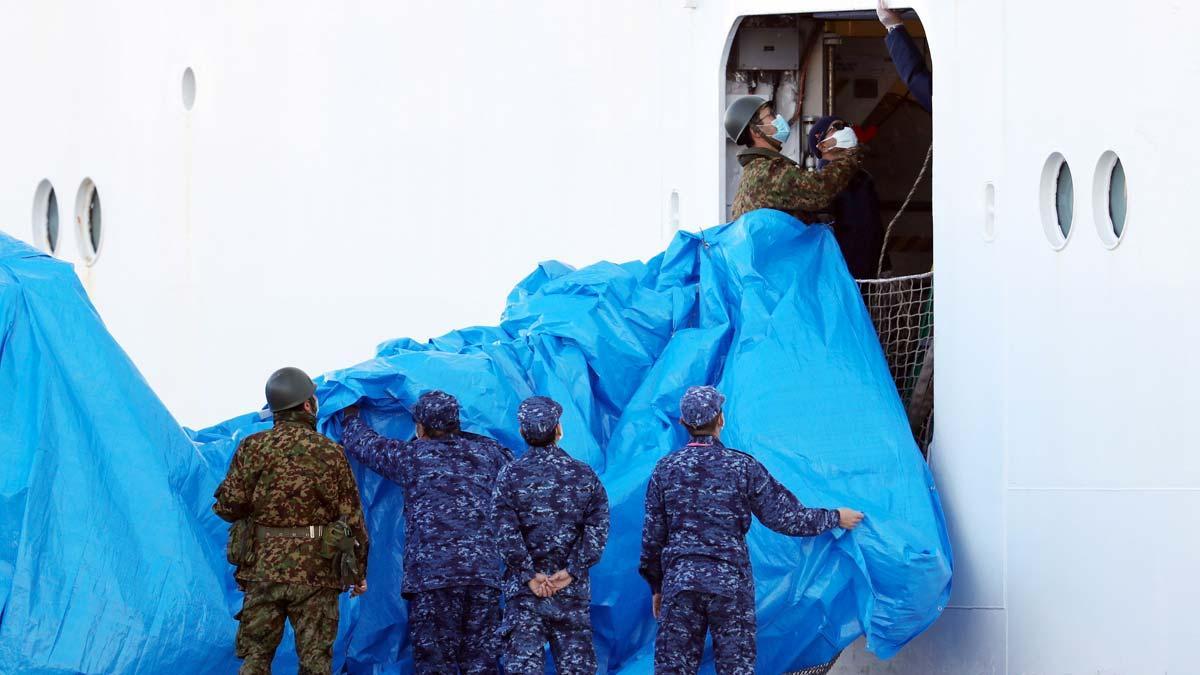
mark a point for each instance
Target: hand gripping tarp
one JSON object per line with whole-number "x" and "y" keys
{"x": 116, "y": 564}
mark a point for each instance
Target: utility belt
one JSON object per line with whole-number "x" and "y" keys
{"x": 303, "y": 532}
{"x": 337, "y": 545}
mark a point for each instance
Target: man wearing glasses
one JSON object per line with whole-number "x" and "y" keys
{"x": 857, "y": 224}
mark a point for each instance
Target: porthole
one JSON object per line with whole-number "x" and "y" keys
{"x": 89, "y": 223}
{"x": 45, "y": 217}
{"x": 188, "y": 89}
{"x": 1110, "y": 199}
{"x": 1058, "y": 200}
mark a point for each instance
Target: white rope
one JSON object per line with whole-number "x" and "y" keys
{"x": 887, "y": 234}
{"x": 893, "y": 281}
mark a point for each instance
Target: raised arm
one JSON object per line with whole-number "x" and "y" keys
{"x": 506, "y": 524}
{"x": 378, "y": 453}
{"x": 781, "y": 511}
{"x": 910, "y": 63}
{"x": 235, "y": 493}
{"x": 594, "y": 534}
{"x": 654, "y": 538}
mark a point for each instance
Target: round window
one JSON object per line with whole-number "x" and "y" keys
{"x": 1058, "y": 200}
{"x": 89, "y": 223}
{"x": 1110, "y": 199}
{"x": 45, "y": 216}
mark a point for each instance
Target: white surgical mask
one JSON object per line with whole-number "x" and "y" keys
{"x": 844, "y": 138}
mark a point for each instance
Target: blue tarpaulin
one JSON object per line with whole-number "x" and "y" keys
{"x": 110, "y": 559}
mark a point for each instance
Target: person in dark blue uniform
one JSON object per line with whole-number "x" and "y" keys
{"x": 451, "y": 565}
{"x": 857, "y": 225}
{"x": 694, "y": 554}
{"x": 550, "y": 514}
{"x": 910, "y": 63}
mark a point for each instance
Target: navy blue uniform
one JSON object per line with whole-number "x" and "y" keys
{"x": 698, "y": 508}
{"x": 910, "y": 63}
{"x": 857, "y": 225}
{"x": 453, "y": 630}
{"x": 449, "y": 550}
{"x": 551, "y": 514}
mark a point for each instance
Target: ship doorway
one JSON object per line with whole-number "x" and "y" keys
{"x": 838, "y": 64}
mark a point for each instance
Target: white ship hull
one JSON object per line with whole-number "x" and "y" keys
{"x": 354, "y": 172}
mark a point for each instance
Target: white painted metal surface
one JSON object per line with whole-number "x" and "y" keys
{"x": 351, "y": 173}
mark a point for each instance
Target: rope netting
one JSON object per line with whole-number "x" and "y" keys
{"x": 902, "y": 310}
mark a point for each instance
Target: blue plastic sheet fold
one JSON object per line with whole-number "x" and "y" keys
{"x": 110, "y": 559}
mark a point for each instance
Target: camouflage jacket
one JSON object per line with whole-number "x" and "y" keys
{"x": 550, "y": 514}
{"x": 773, "y": 181}
{"x": 447, "y": 485}
{"x": 291, "y": 476}
{"x": 698, "y": 508}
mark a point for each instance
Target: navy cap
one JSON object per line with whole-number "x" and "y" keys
{"x": 538, "y": 415}
{"x": 436, "y": 410}
{"x": 817, "y": 133}
{"x": 700, "y": 405}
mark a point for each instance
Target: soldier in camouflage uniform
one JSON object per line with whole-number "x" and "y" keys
{"x": 551, "y": 521}
{"x": 451, "y": 566}
{"x": 293, "y": 482}
{"x": 771, "y": 180}
{"x": 694, "y": 555}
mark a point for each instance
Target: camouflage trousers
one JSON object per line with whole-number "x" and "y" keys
{"x": 313, "y": 612}
{"x": 564, "y": 622}
{"x": 454, "y": 630}
{"x": 688, "y": 615}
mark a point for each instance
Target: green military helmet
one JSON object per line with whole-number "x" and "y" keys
{"x": 288, "y": 388}
{"x": 741, "y": 113}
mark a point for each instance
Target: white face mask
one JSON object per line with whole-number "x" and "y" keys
{"x": 843, "y": 138}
